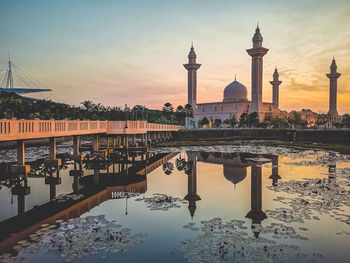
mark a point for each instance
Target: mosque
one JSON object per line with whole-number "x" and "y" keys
{"x": 235, "y": 101}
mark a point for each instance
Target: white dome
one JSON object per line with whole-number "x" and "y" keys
{"x": 235, "y": 91}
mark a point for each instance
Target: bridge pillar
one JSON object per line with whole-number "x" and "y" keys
{"x": 52, "y": 146}
{"x": 20, "y": 152}
{"x": 145, "y": 139}
{"x": 114, "y": 142}
{"x": 53, "y": 161}
{"x": 134, "y": 140}
{"x": 53, "y": 181}
{"x": 95, "y": 142}
{"x": 21, "y": 191}
{"x": 77, "y": 157}
{"x": 96, "y": 176}
{"x": 120, "y": 140}
{"x": 21, "y": 168}
{"x": 76, "y": 144}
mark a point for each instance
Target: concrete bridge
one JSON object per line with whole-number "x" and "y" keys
{"x": 123, "y": 133}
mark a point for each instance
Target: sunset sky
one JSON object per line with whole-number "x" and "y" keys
{"x": 118, "y": 52}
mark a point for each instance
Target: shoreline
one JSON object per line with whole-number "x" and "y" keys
{"x": 341, "y": 148}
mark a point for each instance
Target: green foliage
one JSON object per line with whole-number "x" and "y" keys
{"x": 253, "y": 119}
{"x": 278, "y": 122}
{"x": 168, "y": 107}
{"x": 346, "y": 121}
{"x": 203, "y": 122}
{"x": 217, "y": 122}
{"x": 243, "y": 120}
{"x": 231, "y": 122}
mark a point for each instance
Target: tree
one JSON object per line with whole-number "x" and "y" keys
{"x": 253, "y": 119}
{"x": 295, "y": 119}
{"x": 87, "y": 105}
{"x": 203, "y": 122}
{"x": 180, "y": 114}
{"x": 321, "y": 119}
{"x": 243, "y": 120}
{"x": 188, "y": 109}
{"x": 168, "y": 108}
{"x": 217, "y": 122}
{"x": 345, "y": 122}
{"x": 278, "y": 122}
{"x": 231, "y": 122}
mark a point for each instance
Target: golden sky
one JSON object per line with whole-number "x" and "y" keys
{"x": 118, "y": 52}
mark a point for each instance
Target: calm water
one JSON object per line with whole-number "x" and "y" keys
{"x": 198, "y": 204}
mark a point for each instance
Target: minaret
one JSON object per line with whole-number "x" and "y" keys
{"x": 275, "y": 88}
{"x": 192, "y": 67}
{"x": 333, "y": 77}
{"x": 257, "y": 53}
{"x": 192, "y": 197}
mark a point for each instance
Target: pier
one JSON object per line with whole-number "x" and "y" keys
{"x": 122, "y": 134}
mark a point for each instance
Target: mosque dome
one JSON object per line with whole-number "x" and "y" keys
{"x": 235, "y": 91}
{"x": 234, "y": 173}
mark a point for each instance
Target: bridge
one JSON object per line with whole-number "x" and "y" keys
{"x": 123, "y": 133}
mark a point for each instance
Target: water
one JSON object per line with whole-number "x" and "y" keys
{"x": 243, "y": 203}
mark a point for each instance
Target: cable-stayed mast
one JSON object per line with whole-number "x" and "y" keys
{"x": 9, "y": 78}
{"x": 24, "y": 82}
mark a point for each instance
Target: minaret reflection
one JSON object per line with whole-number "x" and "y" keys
{"x": 192, "y": 197}
{"x": 332, "y": 168}
{"x": 256, "y": 213}
{"x": 275, "y": 176}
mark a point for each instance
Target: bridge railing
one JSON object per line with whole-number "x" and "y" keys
{"x": 162, "y": 127}
{"x": 13, "y": 129}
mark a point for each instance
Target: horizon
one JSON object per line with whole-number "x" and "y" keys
{"x": 112, "y": 52}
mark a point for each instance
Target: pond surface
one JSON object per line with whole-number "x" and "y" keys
{"x": 243, "y": 203}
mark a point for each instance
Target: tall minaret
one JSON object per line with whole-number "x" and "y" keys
{"x": 257, "y": 53}
{"x": 333, "y": 78}
{"x": 192, "y": 67}
{"x": 275, "y": 88}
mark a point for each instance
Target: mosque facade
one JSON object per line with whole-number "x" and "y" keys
{"x": 235, "y": 95}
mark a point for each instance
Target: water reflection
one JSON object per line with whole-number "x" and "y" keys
{"x": 121, "y": 175}
{"x": 235, "y": 171}
{"x": 191, "y": 170}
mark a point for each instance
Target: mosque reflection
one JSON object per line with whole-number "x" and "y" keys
{"x": 102, "y": 175}
{"x": 235, "y": 171}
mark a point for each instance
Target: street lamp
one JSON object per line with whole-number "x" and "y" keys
{"x": 126, "y": 116}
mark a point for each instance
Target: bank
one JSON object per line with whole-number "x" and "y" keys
{"x": 328, "y": 139}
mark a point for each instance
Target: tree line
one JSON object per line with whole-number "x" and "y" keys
{"x": 15, "y": 106}
{"x": 292, "y": 120}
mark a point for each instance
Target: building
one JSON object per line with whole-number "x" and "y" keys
{"x": 333, "y": 93}
{"x": 235, "y": 101}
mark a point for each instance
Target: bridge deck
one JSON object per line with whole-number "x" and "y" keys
{"x": 13, "y": 129}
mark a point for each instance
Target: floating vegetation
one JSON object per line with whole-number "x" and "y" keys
{"x": 161, "y": 202}
{"x": 314, "y": 197}
{"x": 77, "y": 238}
{"x": 65, "y": 197}
{"x": 231, "y": 242}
